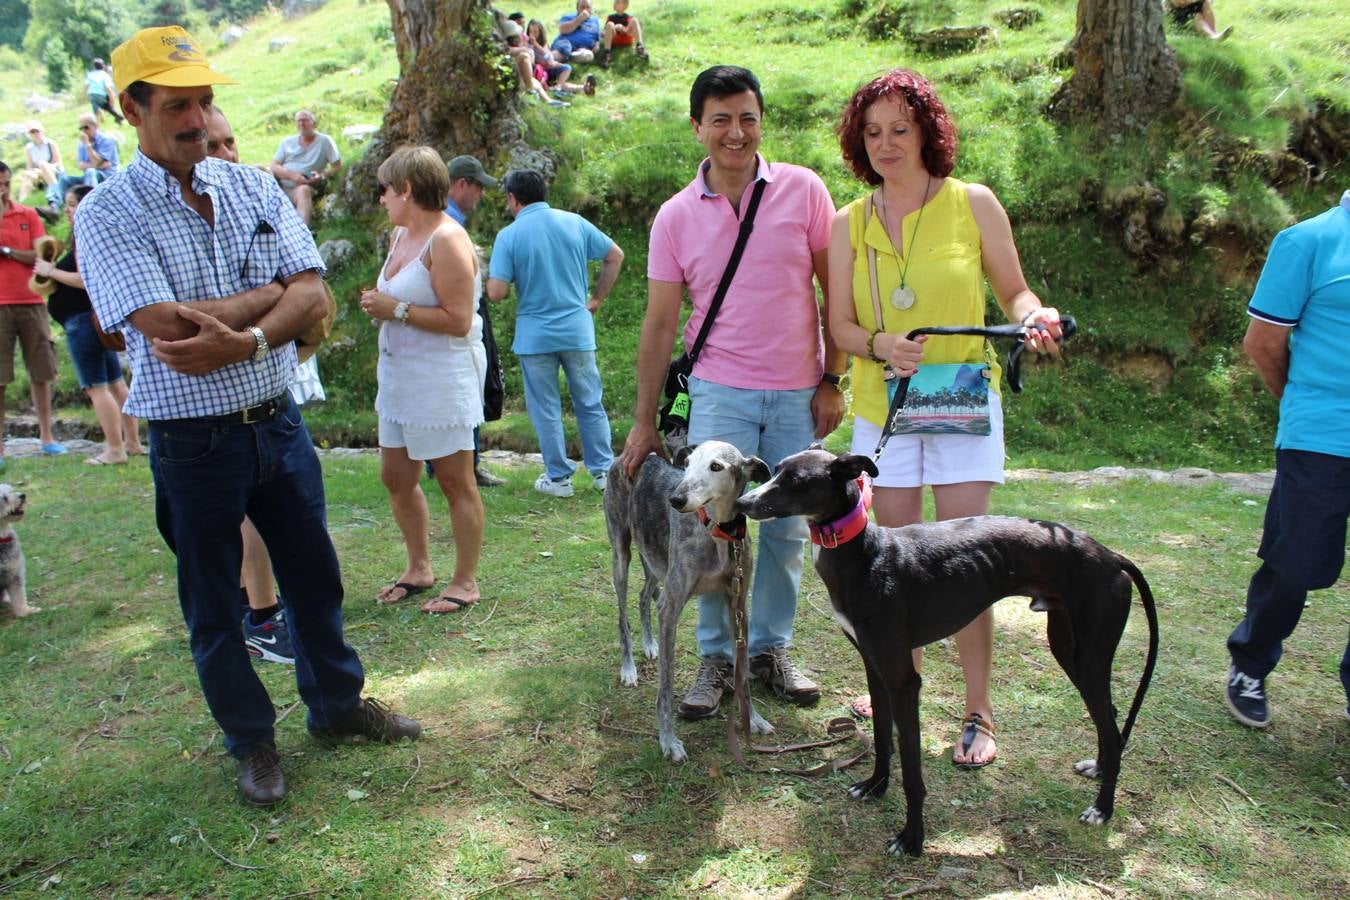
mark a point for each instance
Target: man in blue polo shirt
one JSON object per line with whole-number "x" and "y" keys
{"x": 545, "y": 252}
{"x": 1300, "y": 327}
{"x": 578, "y": 34}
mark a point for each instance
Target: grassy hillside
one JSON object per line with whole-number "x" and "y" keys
{"x": 1152, "y": 242}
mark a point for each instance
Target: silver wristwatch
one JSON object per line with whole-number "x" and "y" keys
{"x": 401, "y": 311}
{"x": 263, "y": 347}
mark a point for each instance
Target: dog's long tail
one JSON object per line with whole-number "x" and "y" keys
{"x": 1151, "y": 612}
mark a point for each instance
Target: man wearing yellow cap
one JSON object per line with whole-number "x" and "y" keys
{"x": 209, "y": 273}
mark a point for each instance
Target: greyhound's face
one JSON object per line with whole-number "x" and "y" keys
{"x": 715, "y": 473}
{"x": 11, "y": 504}
{"x": 813, "y": 483}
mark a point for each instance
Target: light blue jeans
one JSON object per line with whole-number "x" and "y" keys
{"x": 770, "y": 425}
{"x": 543, "y": 401}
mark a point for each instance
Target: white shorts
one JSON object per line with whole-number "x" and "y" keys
{"x": 426, "y": 443}
{"x": 913, "y": 460}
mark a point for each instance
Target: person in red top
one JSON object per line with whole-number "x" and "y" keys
{"x": 23, "y": 315}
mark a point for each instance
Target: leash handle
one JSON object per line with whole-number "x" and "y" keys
{"x": 1018, "y": 333}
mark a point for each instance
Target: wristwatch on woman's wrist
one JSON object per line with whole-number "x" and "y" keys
{"x": 401, "y": 311}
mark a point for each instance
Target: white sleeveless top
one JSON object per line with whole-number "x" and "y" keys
{"x": 428, "y": 380}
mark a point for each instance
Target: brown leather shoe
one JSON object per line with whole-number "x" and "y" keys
{"x": 484, "y": 478}
{"x": 370, "y": 720}
{"x": 261, "y": 780}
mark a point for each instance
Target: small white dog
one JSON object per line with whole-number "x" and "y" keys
{"x": 11, "y": 554}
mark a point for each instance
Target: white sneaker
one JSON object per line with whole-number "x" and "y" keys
{"x": 545, "y": 485}
{"x": 600, "y": 482}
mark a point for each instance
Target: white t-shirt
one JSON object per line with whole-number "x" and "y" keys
{"x": 319, "y": 155}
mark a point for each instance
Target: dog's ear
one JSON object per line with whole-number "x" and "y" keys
{"x": 758, "y": 470}
{"x": 849, "y": 466}
{"x": 682, "y": 455}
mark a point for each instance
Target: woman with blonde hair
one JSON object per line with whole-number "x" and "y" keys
{"x": 430, "y": 374}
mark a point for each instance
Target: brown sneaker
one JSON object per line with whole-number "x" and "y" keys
{"x": 781, "y": 674}
{"x": 261, "y": 780}
{"x": 370, "y": 720}
{"x": 703, "y": 699}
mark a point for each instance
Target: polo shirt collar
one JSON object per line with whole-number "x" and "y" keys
{"x": 762, "y": 172}
{"x": 532, "y": 208}
{"x": 155, "y": 178}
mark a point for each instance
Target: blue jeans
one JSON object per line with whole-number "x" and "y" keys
{"x": 91, "y": 177}
{"x": 95, "y": 365}
{"x": 543, "y": 401}
{"x": 770, "y": 425}
{"x": 1302, "y": 549}
{"x": 208, "y": 475}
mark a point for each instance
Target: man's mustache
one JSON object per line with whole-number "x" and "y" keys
{"x": 192, "y": 136}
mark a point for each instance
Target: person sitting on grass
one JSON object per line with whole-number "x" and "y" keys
{"x": 44, "y": 168}
{"x": 522, "y": 60}
{"x": 1200, "y": 14}
{"x": 547, "y": 69}
{"x": 578, "y": 34}
{"x": 621, "y": 30}
{"x": 98, "y": 369}
{"x": 304, "y": 162}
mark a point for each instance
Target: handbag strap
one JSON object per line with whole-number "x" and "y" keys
{"x": 747, "y": 225}
{"x": 872, "y": 267}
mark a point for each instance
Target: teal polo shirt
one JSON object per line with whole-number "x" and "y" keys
{"x": 545, "y": 252}
{"x": 1305, "y": 287}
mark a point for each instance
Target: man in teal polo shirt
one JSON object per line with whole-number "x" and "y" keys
{"x": 545, "y": 252}
{"x": 1300, "y": 327}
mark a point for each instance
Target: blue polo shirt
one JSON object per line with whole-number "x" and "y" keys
{"x": 453, "y": 211}
{"x": 584, "y": 37}
{"x": 545, "y": 252}
{"x": 1305, "y": 286}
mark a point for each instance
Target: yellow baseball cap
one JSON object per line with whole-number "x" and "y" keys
{"x": 167, "y": 56}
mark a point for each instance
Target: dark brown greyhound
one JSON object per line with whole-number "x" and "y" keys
{"x": 894, "y": 589}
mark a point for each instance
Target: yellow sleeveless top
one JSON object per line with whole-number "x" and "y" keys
{"x": 946, "y": 272}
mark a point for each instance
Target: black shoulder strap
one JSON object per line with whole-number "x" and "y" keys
{"x": 747, "y": 226}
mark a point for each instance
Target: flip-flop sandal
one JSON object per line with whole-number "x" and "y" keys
{"x": 861, "y": 707}
{"x": 100, "y": 461}
{"x": 409, "y": 590}
{"x": 444, "y": 605}
{"x": 972, "y": 725}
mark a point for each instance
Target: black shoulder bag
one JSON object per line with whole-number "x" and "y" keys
{"x": 675, "y": 412}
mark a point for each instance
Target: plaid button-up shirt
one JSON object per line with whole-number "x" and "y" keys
{"x": 140, "y": 244}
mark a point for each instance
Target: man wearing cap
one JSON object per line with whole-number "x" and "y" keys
{"x": 96, "y": 157}
{"x": 23, "y": 315}
{"x": 44, "y": 167}
{"x": 467, "y": 182}
{"x": 211, "y": 276}
{"x": 304, "y": 161}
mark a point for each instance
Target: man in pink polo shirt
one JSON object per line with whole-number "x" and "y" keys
{"x": 767, "y": 379}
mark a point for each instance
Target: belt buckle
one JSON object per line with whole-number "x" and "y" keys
{"x": 253, "y": 414}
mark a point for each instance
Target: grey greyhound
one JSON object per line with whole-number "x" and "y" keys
{"x": 894, "y": 589}
{"x": 688, "y": 552}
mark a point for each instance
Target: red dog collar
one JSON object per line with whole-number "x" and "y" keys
{"x": 6, "y": 540}
{"x": 724, "y": 531}
{"x": 843, "y": 530}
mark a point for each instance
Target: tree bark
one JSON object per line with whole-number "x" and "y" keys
{"x": 1124, "y": 73}
{"x": 456, "y": 92}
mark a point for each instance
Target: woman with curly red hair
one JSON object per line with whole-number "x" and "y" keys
{"x": 915, "y": 252}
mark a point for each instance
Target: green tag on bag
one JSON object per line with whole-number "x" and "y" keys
{"x": 679, "y": 407}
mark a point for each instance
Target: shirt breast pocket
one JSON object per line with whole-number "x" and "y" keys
{"x": 262, "y": 257}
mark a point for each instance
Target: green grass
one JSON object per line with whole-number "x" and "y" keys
{"x": 1158, "y": 376}
{"x": 111, "y": 762}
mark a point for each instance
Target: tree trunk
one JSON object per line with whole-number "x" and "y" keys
{"x": 1124, "y": 73}
{"x": 456, "y": 92}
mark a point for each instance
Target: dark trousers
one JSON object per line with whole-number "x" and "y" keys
{"x": 1302, "y": 549}
{"x": 208, "y": 475}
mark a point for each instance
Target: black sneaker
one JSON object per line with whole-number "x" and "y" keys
{"x": 270, "y": 641}
{"x": 605, "y": 55}
{"x": 261, "y": 780}
{"x": 370, "y": 720}
{"x": 1246, "y": 697}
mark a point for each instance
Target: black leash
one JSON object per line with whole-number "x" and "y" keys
{"x": 1018, "y": 333}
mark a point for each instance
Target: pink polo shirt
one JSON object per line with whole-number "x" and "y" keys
{"x": 767, "y": 334}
